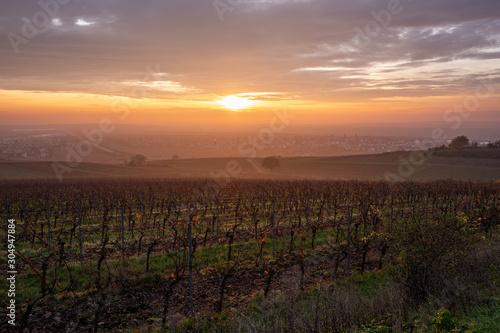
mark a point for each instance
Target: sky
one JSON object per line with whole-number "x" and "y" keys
{"x": 223, "y": 64}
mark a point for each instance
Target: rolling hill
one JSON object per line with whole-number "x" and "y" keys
{"x": 363, "y": 167}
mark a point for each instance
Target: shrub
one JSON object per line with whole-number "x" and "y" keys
{"x": 444, "y": 321}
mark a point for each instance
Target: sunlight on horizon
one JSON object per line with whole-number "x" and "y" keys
{"x": 235, "y": 102}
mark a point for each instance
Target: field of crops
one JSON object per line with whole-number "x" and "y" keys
{"x": 103, "y": 255}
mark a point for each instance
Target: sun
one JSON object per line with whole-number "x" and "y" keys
{"x": 234, "y": 102}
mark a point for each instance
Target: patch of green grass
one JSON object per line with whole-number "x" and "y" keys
{"x": 483, "y": 318}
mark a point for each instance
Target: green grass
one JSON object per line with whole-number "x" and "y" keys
{"x": 483, "y": 318}
{"x": 357, "y": 294}
{"x": 215, "y": 256}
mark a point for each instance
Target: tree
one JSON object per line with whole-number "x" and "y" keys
{"x": 460, "y": 142}
{"x": 492, "y": 145}
{"x": 270, "y": 162}
{"x": 137, "y": 159}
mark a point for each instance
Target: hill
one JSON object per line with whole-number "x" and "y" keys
{"x": 363, "y": 167}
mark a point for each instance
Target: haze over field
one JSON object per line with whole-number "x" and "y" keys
{"x": 225, "y": 65}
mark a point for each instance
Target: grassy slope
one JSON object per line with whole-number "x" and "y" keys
{"x": 365, "y": 167}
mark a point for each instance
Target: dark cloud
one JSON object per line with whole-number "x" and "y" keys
{"x": 258, "y": 47}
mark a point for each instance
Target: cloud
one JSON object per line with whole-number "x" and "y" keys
{"x": 288, "y": 47}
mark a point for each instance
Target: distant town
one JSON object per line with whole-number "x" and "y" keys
{"x": 52, "y": 144}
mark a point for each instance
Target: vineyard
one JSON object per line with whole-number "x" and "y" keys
{"x": 105, "y": 255}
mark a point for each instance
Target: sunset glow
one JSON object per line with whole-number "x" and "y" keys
{"x": 407, "y": 67}
{"x": 235, "y": 103}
